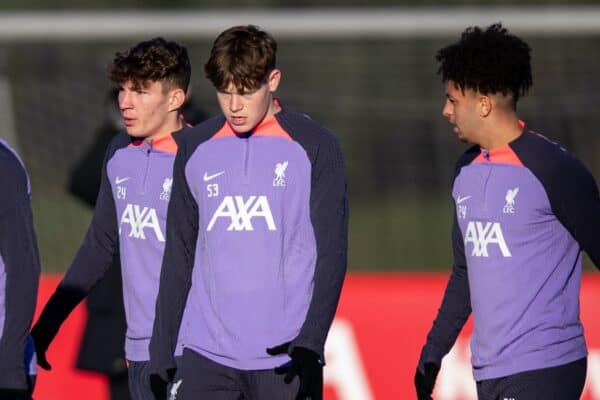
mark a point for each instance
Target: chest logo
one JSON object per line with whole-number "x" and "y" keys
{"x": 279, "y": 179}
{"x": 207, "y": 177}
{"x": 139, "y": 218}
{"x": 121, "y": 189}
{"x": 166, "y": 186}
{"x": 240, "y": 213}
{"x": 481, "y": 235}
{"x": 461, "y": 209}
{"x": 509, "y": 207}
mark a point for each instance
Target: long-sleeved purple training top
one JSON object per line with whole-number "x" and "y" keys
{"x": 256, "y": 242}
{"x": 130, "y": 220}
{"x": 524, "y": 213}
{"x": 19, "y": 268}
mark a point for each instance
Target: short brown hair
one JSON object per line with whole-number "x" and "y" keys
{"x": 242, "y": 55}
{"x": 152, "y": 60}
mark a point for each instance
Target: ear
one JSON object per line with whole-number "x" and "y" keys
{"x": 176, "y": 99}
{"x": 273, "y": 80}
{"x": 485, "y": 105}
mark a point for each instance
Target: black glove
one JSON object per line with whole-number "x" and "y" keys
{"x": 15, "y": 394}
{"x": 158, "y": 385}
{"x": 424, "y": 382}
{"x": 41, "y": 340}
{"x": 56, "y": 310}
{"x": 307, "y": 365}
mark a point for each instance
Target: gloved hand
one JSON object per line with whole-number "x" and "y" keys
{"x": 41, "y": 340}
{"x": 425, "y": 381}
{"x": 14, "y": 394}
{"x": 158, "y": 384}
{"x": 56, "y": 310}
{"x": 307, "y": 365}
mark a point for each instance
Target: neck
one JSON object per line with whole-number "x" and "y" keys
{"x": 500, "y": 131}
{"x": 172, "y": 126}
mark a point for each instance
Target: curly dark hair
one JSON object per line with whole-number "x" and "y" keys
{"x": 152, "y": 60}
{"x": 242, "y": 55}
{"x": 488, "y": 61}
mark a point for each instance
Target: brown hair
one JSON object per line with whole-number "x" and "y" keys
{"x": 152, "y": 60}
{"x": 242, "y": 55}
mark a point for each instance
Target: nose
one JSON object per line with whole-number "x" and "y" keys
{"x": 447, "y": 110}
{"x": 235, "y": 103}
{"x": 124, "y": 99}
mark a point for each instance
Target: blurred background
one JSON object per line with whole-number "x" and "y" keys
{"x": 366, "y": 71}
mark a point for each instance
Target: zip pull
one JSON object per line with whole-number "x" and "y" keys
{"x": 486, "y": 154}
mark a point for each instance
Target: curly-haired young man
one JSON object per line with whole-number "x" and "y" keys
{"x": 130, "y": 214}
{"x": 524, "y": 210}
{"x": 256, "y": 238}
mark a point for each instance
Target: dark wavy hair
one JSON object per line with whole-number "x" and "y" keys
{"x": 488, "y": 61}
{"x": 152, "y": 60}
{"x": 242, "y": 55}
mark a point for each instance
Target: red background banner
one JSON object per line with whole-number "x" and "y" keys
{"x": 371, "y": 352}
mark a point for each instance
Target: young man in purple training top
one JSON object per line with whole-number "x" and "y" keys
{"x": 19, "y": 277}
{"x": 130, "y": 213}
{"x": 256, "y": 238}
{"x": 525, "y": 208}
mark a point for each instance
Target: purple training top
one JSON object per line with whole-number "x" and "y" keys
{"x": 257, "y": 231}
{"x": 523, "y": 214}
{"x": 130, "y": 220}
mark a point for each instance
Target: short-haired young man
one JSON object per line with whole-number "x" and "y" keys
{"x": 256, "y": 238}
{"x": 19, "y": 276}
{"x": 525, "y": 208}
{"x": 130, "y": 214}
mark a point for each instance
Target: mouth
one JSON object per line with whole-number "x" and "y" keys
{"x": 238, "y": 121}
{"x": 128, "y": 121}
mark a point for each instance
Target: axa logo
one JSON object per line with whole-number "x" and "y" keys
{"x": 240, "y": 212}
{"x": 139, "y": 220}
{"x": 509, "y": 207}
{"x": 483, "y": 234}
{"x": 279, "y": 179}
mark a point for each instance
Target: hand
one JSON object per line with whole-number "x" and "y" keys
{"x": 158, "y": 385}
{"x": 307, "y": 365}
{"x": 424, "y": 382}
{"x": 14, "y": 394}
{"x": 41, "y": 341}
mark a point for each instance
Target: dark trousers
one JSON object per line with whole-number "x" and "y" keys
{"x": 564, "y": 382}
{"x": 206, "y": 379}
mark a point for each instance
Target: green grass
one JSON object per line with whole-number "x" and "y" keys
{"x": 61, "y": 222}
{"x": 404, "y": 232}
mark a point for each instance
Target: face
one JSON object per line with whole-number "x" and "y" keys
{"x": 149, "y": 111}
{"x": 461, "y": 109}
{"x": 246, "y": 111}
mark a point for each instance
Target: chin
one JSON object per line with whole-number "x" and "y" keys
{"x": 135, "y": 135}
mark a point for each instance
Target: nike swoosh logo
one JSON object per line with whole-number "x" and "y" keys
{"x": 213, "y": 176}
{"x": 461, "y": 199}
{"x": 121, "y": 180}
